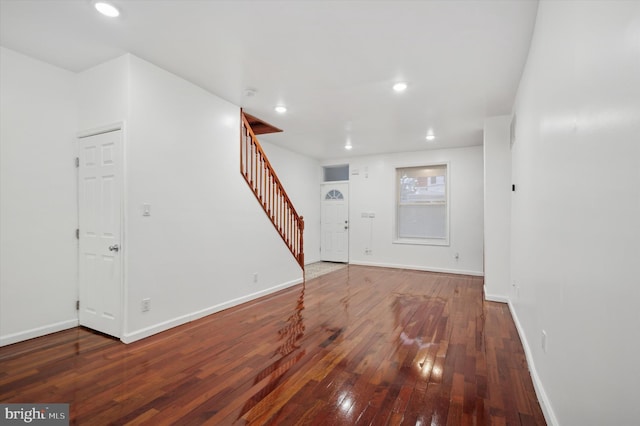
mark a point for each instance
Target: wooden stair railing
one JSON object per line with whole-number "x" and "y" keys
{"x": 265, "y": 185}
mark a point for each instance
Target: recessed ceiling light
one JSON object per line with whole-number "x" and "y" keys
{"x": 107, "y": 9}
{"x": 281, "y": 109}
{"x": 400, "y": 87}
{"x": 348, "y": 145}
{"x": 430, "y": 136}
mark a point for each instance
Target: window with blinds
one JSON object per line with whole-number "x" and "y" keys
{"x": 422, "y": 207}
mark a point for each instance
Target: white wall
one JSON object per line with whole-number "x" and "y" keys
{"x": 207, "y": 235}
{"x": 38, "y": 213}
{"x": 575, "y": 214}
{"x": 301, "y": 177}
{"x": 497, "y": 208}
{"x": 103, "y": 94}
{"x": 372, "y": 190}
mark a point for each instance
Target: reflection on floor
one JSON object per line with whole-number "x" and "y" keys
{"x": 358, "y": 346}
{"x": 314, "y": 270}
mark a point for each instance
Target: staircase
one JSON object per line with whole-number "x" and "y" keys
{"x": 265, "y": 185}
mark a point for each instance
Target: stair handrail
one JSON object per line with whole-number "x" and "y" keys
{"x": 261, "y": 177}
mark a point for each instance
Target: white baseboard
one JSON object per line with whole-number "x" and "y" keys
{"x": 418, "y": 268}
{"x": 183, "y": 319}
{"x": 494, "y": 297}
{"x": 545, "y": 403}
{"x": 37, "y": 332}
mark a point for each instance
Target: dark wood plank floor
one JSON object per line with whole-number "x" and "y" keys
{"x": 359, "y": 346}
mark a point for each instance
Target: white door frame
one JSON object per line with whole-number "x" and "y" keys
{"x": 117, "y": 126}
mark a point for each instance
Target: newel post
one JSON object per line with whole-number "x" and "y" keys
{"x": 301, "y": 256}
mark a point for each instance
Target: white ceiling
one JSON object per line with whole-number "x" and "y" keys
{"x": 332, "y": 63}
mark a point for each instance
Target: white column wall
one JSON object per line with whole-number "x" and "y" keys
{"x": 38, "y": 207}
{"x": 497, "y": 208}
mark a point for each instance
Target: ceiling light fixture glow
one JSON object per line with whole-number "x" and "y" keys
{"x": 430, "y": 136}
{"x": 107, "y": 9}
{"x": 348, "y": 145}
{"x": 281, "y": 109}
{"x": 400, "y": 87}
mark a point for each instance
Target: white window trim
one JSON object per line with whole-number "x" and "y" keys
{"x": 422, "y": 241}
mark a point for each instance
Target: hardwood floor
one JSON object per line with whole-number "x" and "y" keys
{"x": 359, "y": 346}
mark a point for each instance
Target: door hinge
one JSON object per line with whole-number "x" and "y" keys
{"x": 77, "y": 161}
{"x": 77, "y": 305}
{"x": 77, "y": 233}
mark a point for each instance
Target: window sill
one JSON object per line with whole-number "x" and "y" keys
{"x": 422, "y": 242}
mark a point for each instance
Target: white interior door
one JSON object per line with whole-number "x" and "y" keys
{"x": 334, "y": 246}
{"x": 100, "y": 264}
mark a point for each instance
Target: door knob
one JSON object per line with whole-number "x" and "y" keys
{"x": 114, "y": 248}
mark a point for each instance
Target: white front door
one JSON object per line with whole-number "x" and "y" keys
{"x": 334, "y": 246}
{"x": 100, "y": 274}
